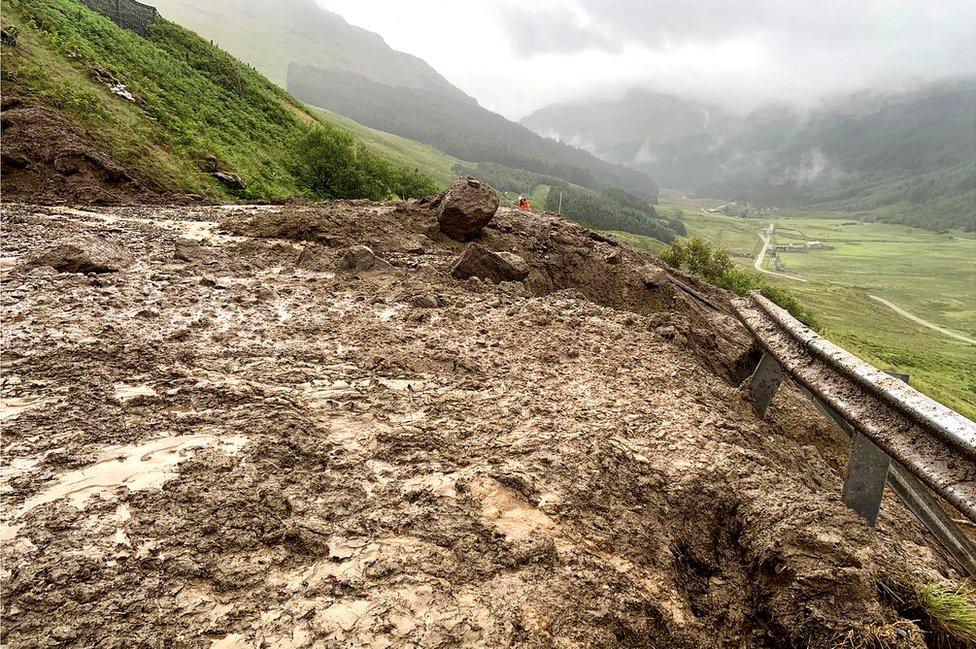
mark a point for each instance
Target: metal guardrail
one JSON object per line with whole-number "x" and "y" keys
{"x": 898, "y": 433}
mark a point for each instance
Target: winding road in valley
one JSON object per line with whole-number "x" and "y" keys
{"x": 767, "y": 239}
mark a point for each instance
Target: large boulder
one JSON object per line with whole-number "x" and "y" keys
{"x": 232, "y": 181}
{"x": 478, "y": 261}
{"x": 83, "y": 254}
{"x": 362, "y": 259}
{"x": 466, "y": 207}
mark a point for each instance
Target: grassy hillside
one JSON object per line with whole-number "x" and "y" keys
{"x": 192, "y": 102}
{"x": 460, "y": 128}
{"x": 408, "y": 153}
{"x": 610, "y": 209}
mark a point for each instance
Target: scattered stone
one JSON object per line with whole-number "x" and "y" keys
{"x": 653, "y": 277}
{"x": 84, "y": 254}
{"x": 467, "y": 206}
{"x": 233, "y": 181}
{"x": 520, "y": 265}
{"x": 415, "y": 245}
{"x": 596, "y": 236}
{"x": 614, "y": 257}
{"x": 478, "y": 261}
{"x": 362, "y": 259}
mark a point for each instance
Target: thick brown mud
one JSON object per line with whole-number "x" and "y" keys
{"x": 231, "y": 443}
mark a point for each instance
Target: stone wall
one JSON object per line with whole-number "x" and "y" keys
{"x": 127, "y": 14}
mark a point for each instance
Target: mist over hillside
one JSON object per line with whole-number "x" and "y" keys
{"x": 272, "y": 35}
{"x": 895, "y": 156}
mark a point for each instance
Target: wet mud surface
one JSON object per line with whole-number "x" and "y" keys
{"x": 231, "y": 443}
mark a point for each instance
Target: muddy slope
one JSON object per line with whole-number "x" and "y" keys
{"x": 47, "y": 159}
{"x": 229, "y": 443}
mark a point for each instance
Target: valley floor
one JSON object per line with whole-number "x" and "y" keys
{"x": 931, "y": 276}
{"x": 233, "y": 442}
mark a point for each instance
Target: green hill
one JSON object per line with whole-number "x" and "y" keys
{"x": 167, "y": 109}
{"x": 326, "y": 62}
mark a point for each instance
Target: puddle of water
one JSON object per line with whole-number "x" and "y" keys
{"x": 14, "y": 406}
{"x": 9, "y": 532}
{"x": 387, "y": 314}
{"x": 195, "y": 230}
{"x": 146, "y": 466}
{"x": 516, "y": 519}
{"x": 230, "y": 641}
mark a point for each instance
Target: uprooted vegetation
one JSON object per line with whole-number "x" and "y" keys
{"x": 256, "y": 434}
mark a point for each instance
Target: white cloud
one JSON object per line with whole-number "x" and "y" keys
{"x": 738, "y": 52}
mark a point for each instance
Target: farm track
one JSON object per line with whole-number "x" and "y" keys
{"x": 925, "y": 323}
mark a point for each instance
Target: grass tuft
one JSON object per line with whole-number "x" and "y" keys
{"x": 951, "y": 608}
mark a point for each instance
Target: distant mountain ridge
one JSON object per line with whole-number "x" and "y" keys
{"x": 271, "y": 35}
{"x": 906, "y": 157}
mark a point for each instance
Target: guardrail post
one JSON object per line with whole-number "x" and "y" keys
{"x": 764, "y": 383}
{"x": 867, "y": 474}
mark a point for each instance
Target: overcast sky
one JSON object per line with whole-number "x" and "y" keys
{"x": 518, "y": 55}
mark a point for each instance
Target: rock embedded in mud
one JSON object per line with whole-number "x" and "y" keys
{"x": 466, "y": 207}
{"x": 478, "y": 261}
{"x": 362, "y": 259}
{"x": 233, "y": 181}
{"x": 653, "y": 277}
{"x": 85, "y": 254}
{"x": 422, "y": 301}
{"x": 315, "y": 258}
{"x": 189, "y": 251}
{"x": 614, "y": 257}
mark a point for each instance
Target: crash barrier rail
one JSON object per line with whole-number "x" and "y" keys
{"x": 900, "y": 437}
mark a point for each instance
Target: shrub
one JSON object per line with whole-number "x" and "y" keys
{"x": 700, "y": 258}
{"x": 333, "y": 165}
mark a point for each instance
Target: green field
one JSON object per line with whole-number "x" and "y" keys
{"x": 930, "y": 275}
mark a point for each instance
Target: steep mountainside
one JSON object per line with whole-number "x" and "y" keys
{"x": 93, "y": 113}
{"x": 271, "y": 35}
{"x": 328, "y": 63}
{"x": 459, "y": 128}
{"x": 900, "y": 157}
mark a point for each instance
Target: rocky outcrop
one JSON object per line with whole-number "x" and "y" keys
{"x": 86, "y": 254}
{"x": 465, "y": 208}
{"x": 478, "y": 261}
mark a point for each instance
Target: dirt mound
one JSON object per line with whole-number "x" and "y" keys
{"x": 256, "y": 450}
{"x": 46, "y": 159}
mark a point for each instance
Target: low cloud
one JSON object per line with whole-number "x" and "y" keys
{"x": 515, "y": 57}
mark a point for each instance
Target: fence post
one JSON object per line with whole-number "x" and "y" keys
{"x": 764, "y": 383}
{"x": 867, "y": 474}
